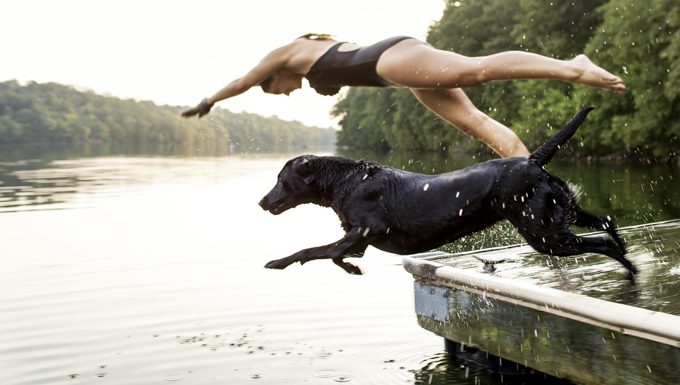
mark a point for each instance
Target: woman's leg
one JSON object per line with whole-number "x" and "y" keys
{"x": 416, "y": 65}
{"x": 456, "y": 108}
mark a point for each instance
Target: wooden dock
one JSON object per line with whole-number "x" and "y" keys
{"x": 577, "y": 318}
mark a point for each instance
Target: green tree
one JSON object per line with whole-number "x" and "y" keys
{"x": 363, "y": 124}
{"x": 559, "y": 29}
{"x": 480, "y": 28}
{"x": 50, "y": 113}
{"x": 642, "y": 39}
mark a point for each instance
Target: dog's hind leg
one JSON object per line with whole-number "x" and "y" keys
{"x": 567, "y": 244}
{"x": 585, "y": 219}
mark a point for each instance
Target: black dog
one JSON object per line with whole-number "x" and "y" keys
{"x": 404, "y": 212}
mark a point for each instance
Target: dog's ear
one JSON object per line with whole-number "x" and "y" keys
{"x": 304, "y": 168}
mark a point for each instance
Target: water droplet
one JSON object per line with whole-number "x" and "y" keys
{"x": 342, "y": 378}
{"x": 172, "y": 377}
{"x": 325, "y": 373}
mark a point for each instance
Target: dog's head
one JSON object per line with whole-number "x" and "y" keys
{"x": 293, "y": 186}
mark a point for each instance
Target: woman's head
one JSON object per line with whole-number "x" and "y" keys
{"x": 281, "y": 82}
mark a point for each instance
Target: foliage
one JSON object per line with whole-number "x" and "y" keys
{"x": 639, "y": 41}
{"x": 361, "y": 127}
{"x": 643, "y": 40}
{"x": 559, "y": 30}
{"x": 480, "y": 28}
{"x": 53, "y": 113}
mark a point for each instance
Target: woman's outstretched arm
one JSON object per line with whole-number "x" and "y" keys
{"x": 265, "y": 68}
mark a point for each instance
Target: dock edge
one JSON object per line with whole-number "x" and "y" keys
{"x": 629, "y": 320}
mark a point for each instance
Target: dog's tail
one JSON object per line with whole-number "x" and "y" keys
{"x": 544, "y": 154}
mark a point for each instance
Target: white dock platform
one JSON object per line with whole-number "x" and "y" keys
{"x": 578, "y": 318}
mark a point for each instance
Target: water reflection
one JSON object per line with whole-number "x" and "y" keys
{"x": 40, "y": 177}
{"x": 45, "y": 177}
{"x": 471, "y": 366}
{"x": 48, "y": 178}
{"x": 51, "y": 185}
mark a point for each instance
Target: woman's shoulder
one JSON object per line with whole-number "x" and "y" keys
{"x": 299, "y": 54}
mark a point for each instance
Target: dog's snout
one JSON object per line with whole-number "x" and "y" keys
{"x": 264, "y": 203}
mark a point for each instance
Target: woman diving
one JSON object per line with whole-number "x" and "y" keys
{"x": 434, "y": 76}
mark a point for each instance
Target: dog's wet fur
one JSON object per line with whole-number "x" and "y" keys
{"x": 404, "y": 212}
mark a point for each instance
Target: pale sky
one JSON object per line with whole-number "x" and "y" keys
{"x": 178, "y": 51}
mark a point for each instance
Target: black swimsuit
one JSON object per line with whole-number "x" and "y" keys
{"x": 335, "y": 69}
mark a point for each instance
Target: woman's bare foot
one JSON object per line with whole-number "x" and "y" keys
{"x": 596, "y": 76}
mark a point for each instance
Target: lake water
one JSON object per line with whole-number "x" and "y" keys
{"x": 146, "y": 267}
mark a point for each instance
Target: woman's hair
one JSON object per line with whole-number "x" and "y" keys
{"x": 316, "y": 36}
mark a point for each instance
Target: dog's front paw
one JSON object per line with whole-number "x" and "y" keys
{"x": 277, "y": 264}
{"x": 348, "y": 267}
{"x": 353, "y": 269}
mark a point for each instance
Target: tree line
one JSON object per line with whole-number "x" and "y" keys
{"x": 639, "y": 41}
{"x": 54, "y": 113}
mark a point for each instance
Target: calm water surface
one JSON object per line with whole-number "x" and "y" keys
{"x": 147, "y": 269}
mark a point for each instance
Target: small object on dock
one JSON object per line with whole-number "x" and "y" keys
{"x": 490, "y": 261}
{"x": 575, "y": 318}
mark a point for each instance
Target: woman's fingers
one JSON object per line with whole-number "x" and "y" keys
{"x": 190, "y": 112}
{"x": 201, "y": 109}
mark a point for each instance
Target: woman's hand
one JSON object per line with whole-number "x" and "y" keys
{"x": 201, "y": 109}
